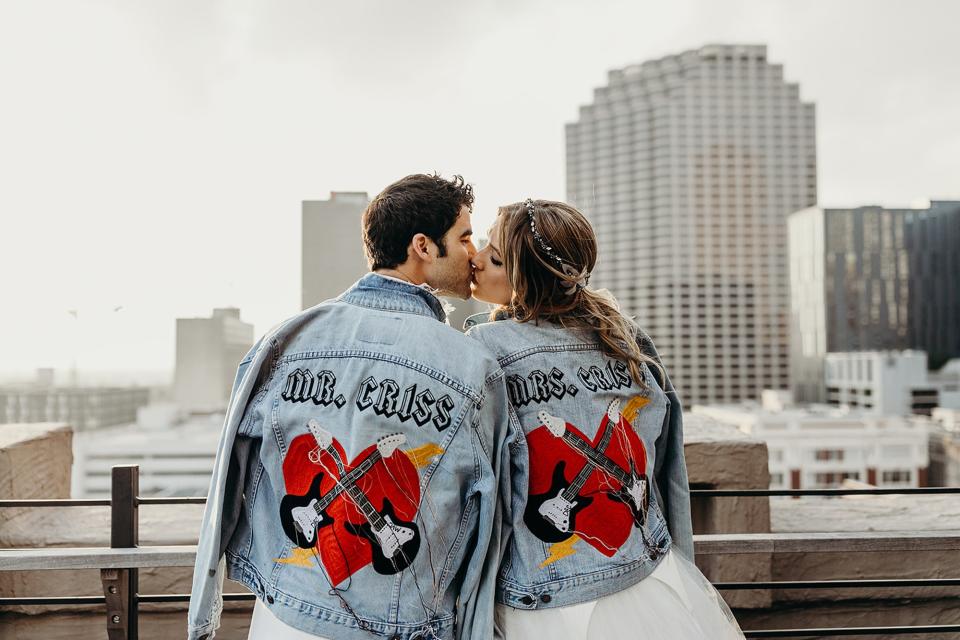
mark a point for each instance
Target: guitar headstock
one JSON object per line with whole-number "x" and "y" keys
{"x": 321, "y": 435}
{"x": 613, "y": 410}
{"x": 557, "y": 426}
{"x": 388, "y": 444}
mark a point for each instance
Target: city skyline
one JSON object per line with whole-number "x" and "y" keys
{"x": 152, "y": 190}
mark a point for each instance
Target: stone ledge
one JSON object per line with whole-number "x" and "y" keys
{"x": 720, "y": 456}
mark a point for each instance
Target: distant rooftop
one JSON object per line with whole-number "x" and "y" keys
{"x": 865, "y": 513}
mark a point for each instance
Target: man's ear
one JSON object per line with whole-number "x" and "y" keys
{"x": 422, "y": 246}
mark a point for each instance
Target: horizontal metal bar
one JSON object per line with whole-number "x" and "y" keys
{"x": 840, "y": 584}
{"x": 847, "y": 631}
{"x": 754, "y": 633}
{"x": 188, "y": 500}
{"x": 185, "y": 597}
{"x": 55, "y": 503}
{"x": 90, "y": 600}
{"x": 742, "y": 493}
{"x": 240, "y": 597}
{"x": 58, "y": 600}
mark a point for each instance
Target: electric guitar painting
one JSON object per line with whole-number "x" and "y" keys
{"x": 551, "y": 516}
{"x": 302, "y": 516}
{"x": 633, "y": 486}
{"x": 394, "y": 542}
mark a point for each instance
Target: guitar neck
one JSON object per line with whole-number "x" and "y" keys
{"x": 597, "y": 459}
{"x": 332, "y": 453}
{"x": 349, "y": 480}
{"x": 366, "y": 507}
{"x": 587, "y": 469}
{"x": 571, "y": 492}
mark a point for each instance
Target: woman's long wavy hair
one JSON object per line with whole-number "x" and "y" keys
{"x": 543, "y": 291}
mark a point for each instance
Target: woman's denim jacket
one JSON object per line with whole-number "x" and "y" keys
{"x": 604, "y": 493}
{"x": 358, "y": 488}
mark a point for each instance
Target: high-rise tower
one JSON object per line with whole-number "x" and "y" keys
{"x": 688, "y": 167}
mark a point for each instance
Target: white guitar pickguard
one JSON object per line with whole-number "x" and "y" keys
{"x": 557, "y": 512}
{"x": 636, "y": 491}
{"x": 307, "y": 518}
{"x": 392, "y": 537}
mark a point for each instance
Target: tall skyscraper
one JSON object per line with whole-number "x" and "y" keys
{"x": 688, "y": 166}
{"x": 332, "y": 245}
{"x": 872, "y": 279}
{"x": 208, "y": 352}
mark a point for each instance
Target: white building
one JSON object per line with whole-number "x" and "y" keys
{"x": 945, "y": 448}
{"x": 208, "y": 352}
{"x": 947, "y": 381}
{"x": 175, "y": 457}
{"x": 688, "y": 167}
{"x": 82, "y": 408}
{"x": 818, "y": 447}
{"x": 889, "y": 382}
{"x": 332, "y": 255}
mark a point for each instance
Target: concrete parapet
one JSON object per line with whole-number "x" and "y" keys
{"x": 720, "y": 456}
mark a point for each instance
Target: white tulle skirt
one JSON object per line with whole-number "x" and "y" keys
{"x": 264, "y": 625}
{"x": 675, "y": 602}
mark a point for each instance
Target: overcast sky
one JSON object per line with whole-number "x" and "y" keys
{"x": 153, "y": 155}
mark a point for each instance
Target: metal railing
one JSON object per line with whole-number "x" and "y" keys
{"x": 119, "y": 564}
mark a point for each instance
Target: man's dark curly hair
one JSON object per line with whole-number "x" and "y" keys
{"x": 416, "y": 204}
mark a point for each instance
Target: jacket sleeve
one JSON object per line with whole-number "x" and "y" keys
{"x": 670, "y": 467}
{"x": 224, "y": 500}
{"x": 493, "y": 494}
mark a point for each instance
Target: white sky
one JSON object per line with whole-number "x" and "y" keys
{"x": 153, "y": 155}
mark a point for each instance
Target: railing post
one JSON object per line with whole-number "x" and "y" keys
{"x": 120, "y": 586}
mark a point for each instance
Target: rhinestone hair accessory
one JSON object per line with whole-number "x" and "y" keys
{"x": 577, "y": 279}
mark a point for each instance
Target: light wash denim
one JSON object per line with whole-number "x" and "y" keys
{"x": 565, "y": 391}
{"x": 359, "y": 487}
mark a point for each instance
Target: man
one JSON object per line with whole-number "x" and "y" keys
{"x": 410, "y": 232}
{"x": 361, "y": 476}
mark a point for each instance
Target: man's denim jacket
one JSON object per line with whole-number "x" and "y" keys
{"x": 358, "y": 488}
{"x": 605, "y": 492}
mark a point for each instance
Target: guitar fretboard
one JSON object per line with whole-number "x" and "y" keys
{"x": 360, "y": 499}
{"x": 348, "y": 481}
{"x": 597, "y": 459}
{"x": 571, "y": 492}
{"x": 333, "y": 454}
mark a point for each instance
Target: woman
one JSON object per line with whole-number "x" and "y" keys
{"x": 602, "y": 544}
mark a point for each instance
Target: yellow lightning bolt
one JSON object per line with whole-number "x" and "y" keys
{"x": 561, "y": 550}
{"x": 422, "y": 456}
{"x": 633, "y": 407}
{"x": 300, "y": 557}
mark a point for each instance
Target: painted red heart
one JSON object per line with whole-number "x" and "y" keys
{"x": 606, "y": 522}
{"x": 394, "y": 478}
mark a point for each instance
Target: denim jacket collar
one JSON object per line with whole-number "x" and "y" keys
{"x": 377, "y": 291}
